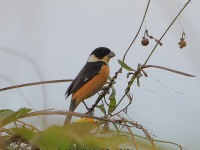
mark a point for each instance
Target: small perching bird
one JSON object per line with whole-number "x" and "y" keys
{"x": 90, "y": 79}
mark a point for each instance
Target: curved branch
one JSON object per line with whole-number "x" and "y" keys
{"x": 168, "y": 69}
{"x": 138, "y": 31}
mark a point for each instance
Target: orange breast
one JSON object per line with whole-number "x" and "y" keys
{"x": 93, "y": 85}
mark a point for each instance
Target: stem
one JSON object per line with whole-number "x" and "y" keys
{"x": 138, "y": 31}
{"x": 167, "y": 31}
{"x": 132, "y": 136}
{"x": 168, "y": 69}
{"x": 34, "y": 83}
{"x": 130, "y": 83}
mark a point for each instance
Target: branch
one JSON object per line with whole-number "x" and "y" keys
{"x": 168, "y": 69}
{"x": 132, "y": 136}
{"x": 63, "y": 112}
{"x": 167, "y": 31}
{"x": 59, "y": 112}
{"x": 34, "y": 83}
{"x": 139, "y": 126}
{"x": 138, "y": 31}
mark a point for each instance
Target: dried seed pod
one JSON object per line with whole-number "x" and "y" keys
{"x": 145, "y": 41}
{"x": 182, "y": 43}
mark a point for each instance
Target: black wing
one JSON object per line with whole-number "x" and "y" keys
{"x": 90, "y": 70}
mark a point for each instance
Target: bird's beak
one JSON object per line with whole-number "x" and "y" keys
{"x": 111, "y": 54}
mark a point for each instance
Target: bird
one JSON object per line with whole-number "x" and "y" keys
{"x": 90, "y": 79}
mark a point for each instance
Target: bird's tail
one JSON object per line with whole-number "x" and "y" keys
{"x": 71, "y": 108}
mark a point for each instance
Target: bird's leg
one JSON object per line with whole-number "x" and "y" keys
{"x": 105, "y": 89}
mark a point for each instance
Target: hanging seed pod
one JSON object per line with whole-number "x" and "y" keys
{"x": 145, "y": 41}
{"x": 182, "y": 43}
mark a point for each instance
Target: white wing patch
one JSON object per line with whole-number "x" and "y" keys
{"x": 86, "y": 79}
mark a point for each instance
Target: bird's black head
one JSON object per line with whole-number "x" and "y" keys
{"x": 100, "y": 52}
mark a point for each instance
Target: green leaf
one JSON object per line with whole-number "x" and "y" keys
{"x": 55, "y": 137}
{"x": 24, "y": 132}
{"x": 7, "y": 116}
{"x": 125, "y": 66}
{"x": 5, "y": 113}
{"x": 112, "y": 99}
{"x": 102, "y": 108}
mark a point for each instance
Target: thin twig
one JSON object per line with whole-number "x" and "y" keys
{"x": 169, "y": 143}
{"x": 167, "y": 69}
{"x": 143, "y": 129}
{"x": 34, "y": 83}
{"x": 132, "y": 136}
{"x": 135, "y": 75}
{"x": 138, "y": 31}
{"x": 31, "y": 126}
{"x": 167, "y": 30}
{"x": 125, "y": 108}
{"x": 138, "y": 136}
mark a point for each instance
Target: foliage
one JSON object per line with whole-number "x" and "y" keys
{"x": 86, "y": 133}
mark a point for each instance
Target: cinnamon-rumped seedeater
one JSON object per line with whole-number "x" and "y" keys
{"x": 90, "y": 79}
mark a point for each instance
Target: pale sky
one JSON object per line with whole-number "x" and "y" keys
{"x": 52, "y": 39}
